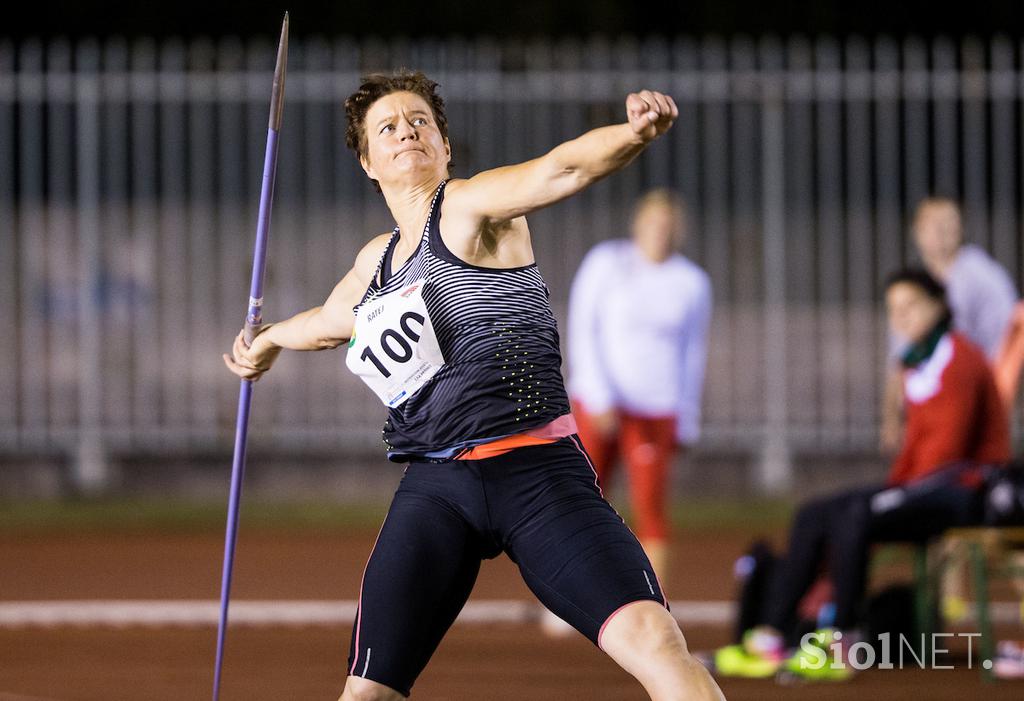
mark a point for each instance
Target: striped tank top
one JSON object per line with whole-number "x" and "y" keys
{"x": 499, "y": 338}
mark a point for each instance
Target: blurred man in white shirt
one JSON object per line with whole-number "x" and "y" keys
{"x": 979, "y": 289}
{"x": 639, "y": 313}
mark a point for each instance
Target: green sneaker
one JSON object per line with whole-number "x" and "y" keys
{"x": 757, "y": 657}
{"x": 815, "y": 660}
{"x": 736, "y": 661}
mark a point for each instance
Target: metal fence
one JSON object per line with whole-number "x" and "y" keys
{"x": 129, "y": 175}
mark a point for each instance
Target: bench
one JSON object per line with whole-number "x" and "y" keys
{"x": 990, "y": 553}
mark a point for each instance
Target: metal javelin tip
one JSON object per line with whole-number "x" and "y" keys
{"x": 277, "y": 96}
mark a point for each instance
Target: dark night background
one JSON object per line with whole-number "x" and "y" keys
{"x": 523, "y": 18}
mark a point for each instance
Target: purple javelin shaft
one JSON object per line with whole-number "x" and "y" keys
{"x": 253, "y": 318}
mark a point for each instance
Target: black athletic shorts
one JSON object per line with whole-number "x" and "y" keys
{"x": 540, "y": 504}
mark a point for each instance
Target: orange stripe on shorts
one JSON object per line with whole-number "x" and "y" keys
{"x": 559, "y": 428}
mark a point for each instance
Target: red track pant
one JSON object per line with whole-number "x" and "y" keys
{"x": 646, "y": 446}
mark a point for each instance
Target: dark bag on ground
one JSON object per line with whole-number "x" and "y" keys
{"x": 891, "y": 611}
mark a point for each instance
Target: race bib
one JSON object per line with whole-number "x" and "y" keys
{"x": 393, "y": 348}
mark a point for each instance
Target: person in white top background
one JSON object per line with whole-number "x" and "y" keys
{"x": 980, "y": 290}
{"x": 981, "y": 295}
{"x": 639, "y": 313}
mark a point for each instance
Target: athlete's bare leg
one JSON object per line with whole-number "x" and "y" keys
{"x": 359, "y": 689}
{"x": 646, "y": 641}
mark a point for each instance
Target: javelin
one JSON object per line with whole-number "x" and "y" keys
{"x": 253, "y": 319}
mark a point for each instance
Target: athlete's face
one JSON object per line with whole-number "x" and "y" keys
{"x": 658, "y": 229}
{"x": 403, "y": 141}
{"x": 912, "y": 313}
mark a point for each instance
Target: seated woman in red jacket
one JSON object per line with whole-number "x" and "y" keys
{"x": 953, "y": 415}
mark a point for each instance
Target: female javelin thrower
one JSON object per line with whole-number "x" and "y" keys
{"x": 447, "y": 320}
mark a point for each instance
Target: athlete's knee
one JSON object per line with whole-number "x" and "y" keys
{"x": 359, "y": 689}
{"x": 648, "y": 644}
{"x": 661, "y": 637}
{"x": 647, "y": 629}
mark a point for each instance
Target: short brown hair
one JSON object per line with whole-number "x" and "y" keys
{"x": 377, "y": 86}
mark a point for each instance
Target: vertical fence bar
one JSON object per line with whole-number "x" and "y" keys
{"x": 90, "y": 467}
{"x": 655, "y": 60}
{"x": 1004, "y": 177}
{"x": 746, "y": 272}
{"x": 485, "y": 90}
{"x": 889, "y": 251}
{"x": 9, "y": 249}
{"x": 32, "y": 375}
{"x": 204, "y": 368}
{"x": 145, "y": 225}
{"x": 860, "y": 273}
{"x": 714, "y": 192}
{"x": 800, "y": 239}
{"x": 61, "y": 284}
{"x": 121, "y": 293}
{"x": 172, "y": 241}
{"x": 597, "y": 62}
{"x": 775, "y": 474}
{"x": 1003, "y": 92}
{"x": 541, "y": 126}
{"x": 353, "y": 223}
{"x": 315, "y": 140}
{"x": 945, "y": 93}
{"x": 572, "y": 121}
{"x": 974, "y": 138}
{"x": 627, "y": 183}
{"x": 685, "y": 154}
{"x": 1019, "y": 85}
{"x": 917, "y": 153}
{"x": 831, "y": 325}
{"x": 887, "y": 143}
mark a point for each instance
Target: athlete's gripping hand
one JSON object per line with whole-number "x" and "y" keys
{"x": 650, "y": 113}
{"x": 250, "y": 362}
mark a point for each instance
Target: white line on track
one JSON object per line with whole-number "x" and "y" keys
{"x": 19, "y": 614}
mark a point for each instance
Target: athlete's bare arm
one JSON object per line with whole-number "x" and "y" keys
{"x": 481, "y": 211}
{"x": 319, "y": 328}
